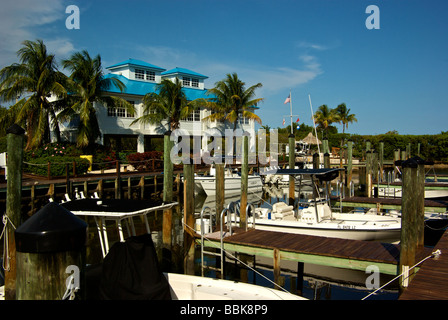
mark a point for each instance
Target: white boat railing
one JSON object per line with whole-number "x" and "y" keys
{"x": 227, "y": 211}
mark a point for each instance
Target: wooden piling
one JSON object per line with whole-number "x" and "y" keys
{"x": 369, "y": 173}
{"x": 349, "y": 161}
{"x": 420, "y": 199}
{"x": 189, "y": 218}
{"x": 219, "y": 176}
{"x": 244, "y": 182}
{"x": 167, "y": 168}
{"x": 408, "y": 240}
{"x": 118, "y": 181}
{"x": 14, "y": 148}
{"x": 381, "y": 162}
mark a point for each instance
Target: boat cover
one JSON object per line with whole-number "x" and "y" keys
{"x": 131, "y": 272}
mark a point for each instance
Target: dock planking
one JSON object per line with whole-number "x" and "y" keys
{"x": 430, "y": 282}
{"x": 343, "y": 253}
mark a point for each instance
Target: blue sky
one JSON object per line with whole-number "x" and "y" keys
{"x": 392, "y": 78}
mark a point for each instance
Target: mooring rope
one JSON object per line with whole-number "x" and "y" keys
{"x": 6, "y": 258}
{"x": 434, "y": 254}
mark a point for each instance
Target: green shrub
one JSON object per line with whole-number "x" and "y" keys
{"x": 39, "y": 166}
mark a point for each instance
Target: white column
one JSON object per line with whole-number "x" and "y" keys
{"x": 141, "y": 143}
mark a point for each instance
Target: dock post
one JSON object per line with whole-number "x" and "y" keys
{"x": 219, "y": 175}
{"x": 118, "y": 181}
{"x": 189, "y": 218}
{"x": 167, "y": 168}
{"x": 381, "y": 160}
{"x": 369, "y": 173}
{"x": 51, "y": 250}
{"x": 420, "y": 199}
{"x": 277, "y": 266}
{"x": 244, "y": 182}
{"x": 292, "y": 163}
{"x": 408, "y": 151}
{"x": 349, "y": 162}
{"x": 14, "y": 148}
{"x": 167, "y": 197}
{"x": 408, "y": 239}
{"x": 396, "y": 158}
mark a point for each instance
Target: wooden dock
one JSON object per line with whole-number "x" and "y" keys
{"x": 389, "y": 203}
{"x": 342, "y": 253}
{"x": 430, "y": 282}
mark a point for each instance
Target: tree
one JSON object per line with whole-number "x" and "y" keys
{"x": 344, "y": 117}
{"x": 324, "y": 117}
{"x": 87, "y": 86}
{"x": 230, "y": 100}
{"x": 30, "y": 84}
{"x": 170, "y": 103}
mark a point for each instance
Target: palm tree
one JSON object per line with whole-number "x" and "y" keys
{"x": 30, "y": 84}
{"x": 231, "y": 100}
{"x": 344, "y": 117}
{"x": 324, "y": 117}
{"x": 87, "y": 86}
{"x": 170, "y": 104}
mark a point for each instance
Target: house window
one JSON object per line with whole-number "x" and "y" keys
{"x": 120, "y": 112}
{"x": 195, "y": 83}
{"x": 242, "y": 120}
{"x": 194, "y": 116}
{"x": 186, "y": 82}
{"x": 150, "y": 75}
{"x": 139, "y": 74}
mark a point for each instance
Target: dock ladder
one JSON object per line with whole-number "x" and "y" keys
{"x": 221, "y": 252}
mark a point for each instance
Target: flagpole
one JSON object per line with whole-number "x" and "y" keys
{"x": 290, "y": 106}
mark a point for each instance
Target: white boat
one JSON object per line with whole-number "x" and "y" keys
{"x": 232, "y": 183}
{"x": 318, "y": 219}
{"x": 395, "y": 191}
{"x": 186, "y": 287}
{"x": 315, "y": 217}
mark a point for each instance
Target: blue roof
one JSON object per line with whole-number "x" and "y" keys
{"x": 141, "y": 88}
{"x": 136, "y": 62}
{"x": 184, "y": 71}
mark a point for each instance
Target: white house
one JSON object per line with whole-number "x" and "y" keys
{"x": 141, "y": 78}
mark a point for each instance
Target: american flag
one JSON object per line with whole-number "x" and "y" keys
{"x": 288, "y": 99}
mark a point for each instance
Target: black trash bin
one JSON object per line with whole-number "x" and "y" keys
{"x": 50, "y": 254}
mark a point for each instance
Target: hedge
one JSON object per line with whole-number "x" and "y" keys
{"x": 39, "y": 166}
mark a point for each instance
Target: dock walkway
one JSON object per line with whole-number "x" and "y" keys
{"x": 342, "y": 253}
{"x": 389, "y": 203}
{"x": 431, "y": 281}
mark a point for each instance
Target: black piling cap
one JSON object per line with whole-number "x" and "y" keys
{"x": 15, "y": 129}
{"x": 52, "y": 229}
{"x": 412, "y": 162}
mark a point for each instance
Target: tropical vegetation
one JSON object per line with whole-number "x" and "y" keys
{"x": 30, "y": 84}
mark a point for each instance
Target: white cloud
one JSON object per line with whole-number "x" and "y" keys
{"x": 274, "y": 79}
{"x": 20, "y": 21}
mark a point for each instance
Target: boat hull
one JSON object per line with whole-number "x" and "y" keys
{"x": 372, "y": 229}
{"x": 186, "y": 287}
{"x": 232, "y": 185}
